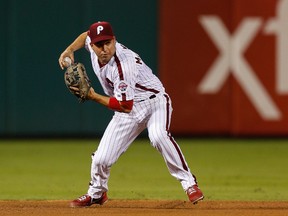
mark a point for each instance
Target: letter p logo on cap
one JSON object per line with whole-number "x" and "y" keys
{"x": 99, "y": 29}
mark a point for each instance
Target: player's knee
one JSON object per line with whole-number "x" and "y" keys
{"x": 157, "y": 136}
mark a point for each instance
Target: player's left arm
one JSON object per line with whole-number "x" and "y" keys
{"x": 111, "y": 102}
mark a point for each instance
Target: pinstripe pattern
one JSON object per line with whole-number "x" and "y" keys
{"x": 169, "y": 134}
{"x": 126, "y": 77}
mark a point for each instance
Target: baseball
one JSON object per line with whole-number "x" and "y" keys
{"x": 67, "y": 61}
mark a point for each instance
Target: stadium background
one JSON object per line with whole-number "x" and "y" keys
{"x": 171, "y": 39}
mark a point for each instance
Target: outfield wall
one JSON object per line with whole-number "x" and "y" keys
{"x": 223, "y": 62}
{"x": 34, "y": 100}
{"x": 225, "y": 65}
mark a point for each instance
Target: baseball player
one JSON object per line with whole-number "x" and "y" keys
{"x": 139, "y": 100}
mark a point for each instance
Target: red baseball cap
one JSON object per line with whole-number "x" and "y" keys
{"x": 100, "y": 31}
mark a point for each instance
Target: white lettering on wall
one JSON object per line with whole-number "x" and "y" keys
{"x": 279, "y": 27}
{"x": 231, "y": 59}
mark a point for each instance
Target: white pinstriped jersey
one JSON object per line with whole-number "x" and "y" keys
{"x": 125, "y": 76}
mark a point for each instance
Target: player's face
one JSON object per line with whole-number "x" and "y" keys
{"x": 105, "y": 50}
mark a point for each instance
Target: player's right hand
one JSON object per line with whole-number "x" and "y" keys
{"x": 66, "y": 53}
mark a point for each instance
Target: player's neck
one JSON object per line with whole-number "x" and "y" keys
{"x": 101, "y": 64}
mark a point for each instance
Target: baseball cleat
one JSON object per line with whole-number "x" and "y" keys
{"x": 195, "y": 194}
{"x": 86, "y": 200}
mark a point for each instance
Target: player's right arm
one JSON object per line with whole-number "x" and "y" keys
{"x": 111, "y": 102}
{"x": 78, "y": 43}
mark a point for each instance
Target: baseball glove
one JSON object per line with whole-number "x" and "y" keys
{"x": 77, "y": 81}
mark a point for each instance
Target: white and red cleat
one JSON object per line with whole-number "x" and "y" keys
{"x": 86, "y": 200}
{"x": 195, "y": 194}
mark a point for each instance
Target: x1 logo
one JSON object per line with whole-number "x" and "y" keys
{"x": 233, "y": 46}
{"x": 238, "y": 84}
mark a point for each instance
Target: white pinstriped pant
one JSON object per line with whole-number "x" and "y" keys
{"x": 155, "y": 114}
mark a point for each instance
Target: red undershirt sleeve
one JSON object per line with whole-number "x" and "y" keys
{"x": 114, "y": 104}
{"x": 127, "y": 104}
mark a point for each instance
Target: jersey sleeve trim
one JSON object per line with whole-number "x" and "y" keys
{"x": 146, "y": 89}
{"x": 120, "y": 71}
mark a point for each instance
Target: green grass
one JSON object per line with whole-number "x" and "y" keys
{"x": 226, "y": 169}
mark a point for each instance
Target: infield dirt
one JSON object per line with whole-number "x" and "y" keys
{"x": 145, "y": 207}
